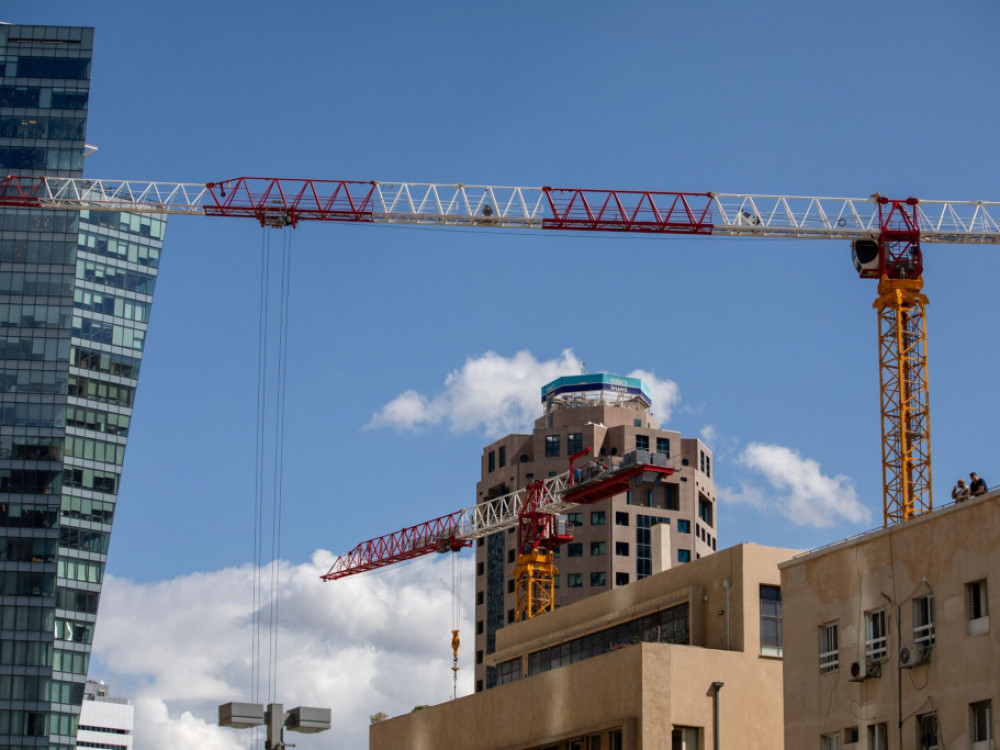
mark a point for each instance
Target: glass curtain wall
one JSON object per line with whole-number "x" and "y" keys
{"x": 75, "y": 291}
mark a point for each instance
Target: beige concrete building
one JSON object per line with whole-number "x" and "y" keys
{"x": 655, "y": 665}
{"x": 887, "y": 637}
{"x": 611, "y": 547}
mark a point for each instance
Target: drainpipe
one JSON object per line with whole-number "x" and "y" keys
{"x": 715, "y": 712}
{"x": 728, "y": 583}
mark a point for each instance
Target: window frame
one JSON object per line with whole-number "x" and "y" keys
{"x": 775, "y": 615}
{"x": 829, "y": 659}
{"x": 927, "y": 732}
{"x": 553, "y": 444}
{"x": 923, "y": 622}
{"x": 981, "y": 724}
{"x": 876, "y": 636}
{"x": 878, "y": 736}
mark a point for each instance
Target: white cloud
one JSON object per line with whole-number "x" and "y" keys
{"x": 666, "y": 393}
{"x": 709, "y": 433}
{"x": 802, "y": 493}
{"x": 377, "y": 642}
{"x": 491, "y": 393}
{"x": 497, "y": 394}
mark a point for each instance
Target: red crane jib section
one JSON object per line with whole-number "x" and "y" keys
{"x": 438, "y": 535}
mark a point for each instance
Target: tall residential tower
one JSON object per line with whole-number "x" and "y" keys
{"x": 612, "y": 541}
{"x": 75, "y": 294}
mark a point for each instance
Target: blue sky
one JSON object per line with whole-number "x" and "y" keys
{"x": 769, "y": 342}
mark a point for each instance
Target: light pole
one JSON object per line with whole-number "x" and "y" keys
{"x": 304, "y": 719}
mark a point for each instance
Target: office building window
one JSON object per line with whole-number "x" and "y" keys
{"x": 574, "y": 580}
{"x": 551, "y": 446}
{"x": 978, "y": 606}
{"x": 770, "y": 620}
{"x": 830, "y": 741}
{"x": 574, "y": 519}
{"x": 597, "y": 549}
{"x": 598, "y": 518}
{"x": 663, "y": 446}
{"x": 574, "y": 549}
{"x": 878, "y": 737}
{"x": 621, "y": 549}
{"x": 503, "y": 456}
{"x": 621, "y": 519}
{"x": 574, "y": 443}
{"x": 510, "y": 586}
{"x": 708, "y": 466}
{"x": 685, "y": 737}
{"x": 673, "y": 503}
{"x": 829, "y": 654}
{"x": 923, "y": 621}
{"x": 852, "y": 736}
{"x": 621, "y": 579}
{"x": 876, "y": 643}
{"x": 982, "y": 730}
{"x": 683, "y": 555}
{"x": 510, "y": 616}
{"x": 683, "y": 527}
{"x": 927, "y": 732}
{"x": 643, "y": 544}
{"x": 598, "y": 579}
{"x": 491, "y": 461}
{"x": 705, "y": 510}
{"x": 642, "y": 442}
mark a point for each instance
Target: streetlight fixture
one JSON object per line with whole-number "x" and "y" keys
{"x": 306, "y": 719}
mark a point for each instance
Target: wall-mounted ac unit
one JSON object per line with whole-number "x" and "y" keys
{"x": 914, "y": 657}
{"x": 867, "y": 670}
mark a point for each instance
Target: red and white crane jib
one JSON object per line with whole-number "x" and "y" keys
{"x": 283, "y": 202}
{"x": 450, "y": 533}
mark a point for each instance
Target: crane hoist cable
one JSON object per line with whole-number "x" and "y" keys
{"x": 272, "y": 360}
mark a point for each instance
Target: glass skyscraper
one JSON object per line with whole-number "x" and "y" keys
{"x": 75, "y": 294}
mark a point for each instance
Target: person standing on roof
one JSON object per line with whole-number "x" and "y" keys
{"x": 978, "y": 486}
{"x": 960, "y": 492}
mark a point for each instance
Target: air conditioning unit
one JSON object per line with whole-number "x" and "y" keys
{"x": 865, "y": 671}
{"x": 919, "y": 654}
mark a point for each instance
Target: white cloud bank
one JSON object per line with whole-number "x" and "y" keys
{"x": 802, "y": 493}
{"x": 377, "y": 642}
{"x": 498, "y": 395}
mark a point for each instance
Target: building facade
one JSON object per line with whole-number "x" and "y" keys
{"x": 684, "y": 659}
{"x": 106, "y": 721}
{"x": 888, "y": 640}
{"x": 611, "y": 548}
{"x": 75, "y": 294}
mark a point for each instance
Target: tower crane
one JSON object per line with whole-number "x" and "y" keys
{"x": 533, "y": 510}
{"x": 886, "y": 236}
